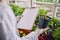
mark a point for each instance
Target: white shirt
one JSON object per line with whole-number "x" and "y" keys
{"x": 8, "y": 28}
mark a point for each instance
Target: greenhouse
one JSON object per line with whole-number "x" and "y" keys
{"x": 29, "y": 19}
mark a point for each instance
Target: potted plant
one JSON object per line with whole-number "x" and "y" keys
{"x": 40, "y": 12}
{"x": 43, "y": 19}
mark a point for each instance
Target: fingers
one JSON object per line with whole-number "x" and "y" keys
{"x": 46, "y": 28}
{"x": 40, "y": 31}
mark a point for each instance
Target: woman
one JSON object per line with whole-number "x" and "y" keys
{"x": 8, "y": 29}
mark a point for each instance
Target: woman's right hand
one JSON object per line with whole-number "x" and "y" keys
{"x": 40, "y": 31}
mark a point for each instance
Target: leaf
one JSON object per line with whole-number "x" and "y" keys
{"x": 17, "y": 10}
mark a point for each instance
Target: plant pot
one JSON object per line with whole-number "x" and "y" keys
{"x": 44, "y": 22}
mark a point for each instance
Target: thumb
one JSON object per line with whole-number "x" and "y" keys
{"x": 46, "y": 28}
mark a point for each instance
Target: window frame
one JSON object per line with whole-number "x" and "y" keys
{"x": 55, "y": 4}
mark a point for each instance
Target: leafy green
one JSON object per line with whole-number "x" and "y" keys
{"x": 51, "y": 23}
{"x": 42, "y": 12}
{"x": 45, "y": 0}
{"x": 57, "y": 21}
{"x": 57, "y": 34}
{"x": 34, "y": 28}
{"x": 17, "y": 10}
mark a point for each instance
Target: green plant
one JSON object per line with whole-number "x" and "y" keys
{"x": 57, "y": 21}
{"x": 40, "y": 12}
{"x": 34, "y": 28}
{"x": 57, "y": 34}
{"x": 45, "y": 0}
{"x": 17, "y": 10}
{"x": 52, "y": 23}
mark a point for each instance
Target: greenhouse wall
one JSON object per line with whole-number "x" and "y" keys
{"x": 46, "y": 4}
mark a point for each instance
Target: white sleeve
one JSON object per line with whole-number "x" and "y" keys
{"x": 31, "y": 36}
{"x": 34, "y": 35}
{"x": 2, "y": 34}
{"x": 7, "y": 23}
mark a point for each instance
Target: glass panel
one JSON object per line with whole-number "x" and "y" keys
{"x": 58, "y": 13}
{"x": 12, "y": 1}
{"x": 45, "y": 0}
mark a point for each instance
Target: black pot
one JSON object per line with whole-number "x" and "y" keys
{"x": 43, "y": 23}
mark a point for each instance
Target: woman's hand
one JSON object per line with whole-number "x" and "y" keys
{"x": 40, "y": 31}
